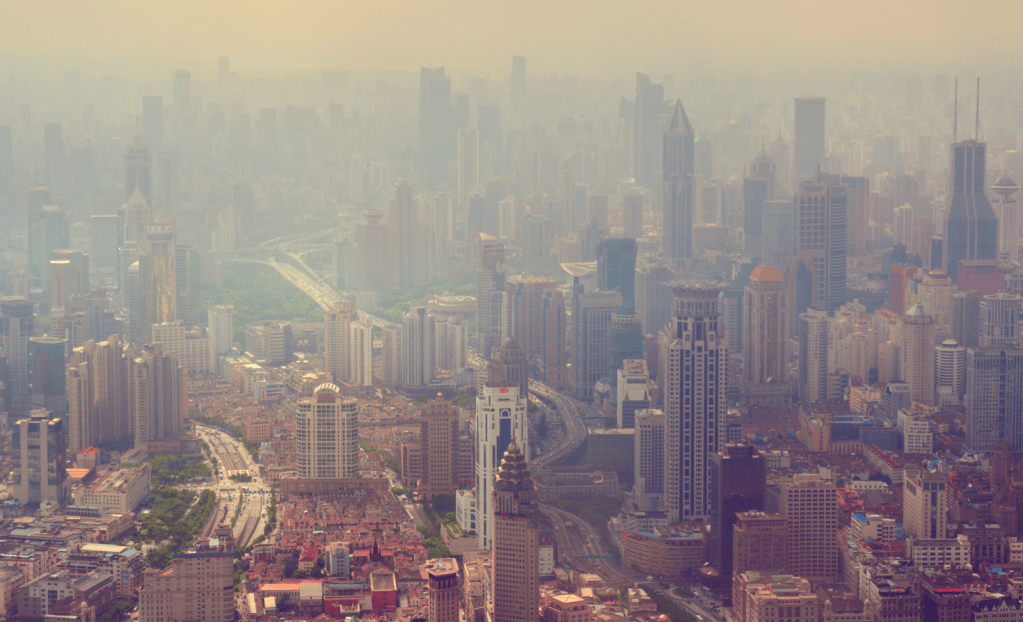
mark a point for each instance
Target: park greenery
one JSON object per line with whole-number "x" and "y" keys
{"x": 177, "y": 469}
{"x": 170, "y": 520}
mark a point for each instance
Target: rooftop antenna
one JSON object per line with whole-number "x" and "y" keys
{"x": 955, "y": 119}
{"x": 976, "y": 129}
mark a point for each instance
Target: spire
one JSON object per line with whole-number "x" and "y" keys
{"x": 679, "y": 120}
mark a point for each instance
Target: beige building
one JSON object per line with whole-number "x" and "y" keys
{"x": 327, "y": 434}
{"x": 442, "y": 577}
{"x": 99, "y": 396}
{"x": 760, "y": 541}
{"x": 765, "y": 339}
{"x": 916, "y": 354}
{"x": 160, "y": 389}
{"x": 191, "y": 347}
{"x": 925, "y": 505}
{"x": 811, "y": 505}
{"x": 118, "y": 491}
{"x": 439, "y": 438}
{"x": 337, "y": 355}
{"x": 516, "y": 546}
{"x": 934, "y": 291}
{"x": 791, "y": 600}
{"x": 198, "y": 585}
{"x": 648, "y": 453}
{"x": 566, "y": 608}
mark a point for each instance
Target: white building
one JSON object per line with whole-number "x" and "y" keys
{"x": 114, "y": 492}
{"x": 465, "y": 510}
{"x": 500, "y": 417}
{"x": 327, "y": 434}
{"x": 936, "y": 554}
{"x": 360, "y": 365}
{"x": 917, "y": 437}
{"x": 221, "y": 333}
{"x": 191, "y": 346}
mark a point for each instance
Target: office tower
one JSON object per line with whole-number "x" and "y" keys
{"x": 53, "y": 146}
{"x": 360, "y": 358}
{"x": 390, "y": 354}
{"x": 488, "y": 126}
{"x": 616, "y": 268}
{"x": 326, "y": 443}
{"x": 166, "y": 195}
{"x": 187, "y": 275}
{"x": 821, "y": 238}
{"x": 436, "y": 131}
{"x": 810, "y": 139}
{"x": 654, "y": 299}
{"x": 760, "y": 541}
{"x": 152, "y": 122}
{"x": 596, "y": 208}
{"x": 138, "y": 170}
{"x": 971, "y": 228}
{"x": 438, "y": 435}
{"x": 777, "y": 233}
{"x": 50, "y": 232}
{"x": 694, "y": 375}
{"x": 537, "y": 241}
{"x": 756, "y": 189}
{"x": 6, "y": 160}
{"x": 189, "y": 345}
{"x": 159, "y": 386}
{"x": 965, "y": 318}
{"x": 507, "y": 368}
{"x": 632, "y": 213}
{"x": 934, "y": 291}
{"x": 83, "y": 424}
{"x": 916, "y": 354}
{"x": 375, "y": 265}
{"x": 468, "y": 164}
{"x": 994, "y": 397}
{"x": 106, "y": 239}
{"x": 999, "y": 315}
{"x": 591, "y": 323}
{"x": 500, "y": 417}
{"x": 157, "y": 278}
{"x": 17, "y": 325}
{"x": 136, "y": 215}
{"x": 489, "y": 293}
{"x": 649, "y": 108}
{"x": 552, "y": 363}
{"x": 47, "y": 358}
{"x": 1008, "y": 223}
{"x": 524, "y": 304}
{"x": 765, "y": 327}
{"x": 677, "y": 189}
{"x": 896, "y": 398}
{"x": 220, "y": 326}
{"x": 950, "y": 368}
{"x": 738, "y": 482}
{"x": 903, "y": 216}
{"x": 648, "y": 452}
{"x": 343, "y": 259}
{"x": 417, "y": 347}
{"x": 811, "y": 505}
{"x": 517, "y": 90}
{"x": 925, "y": 505}
{"x": 516, "y": 551}
{"x": 64, "y": 278}
{"x": 198, "y": 585}
{"x": 451, "y": 351}
{"x": 445, "y": 595}
{"x": 404, "y": 235}
{"x": 337, "y": 350}
{"x": 632, "y": 392}
{"x": 814, "y": 329}
{"x": 39, "y": 442}
{"x": 475, "y": 214}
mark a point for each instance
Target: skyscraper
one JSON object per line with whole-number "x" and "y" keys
{"x": 99, "y": 393}
{"x": 999, "y": 316}
{"x": 1008, "y": 219}
{"x": 159, "y": 387}
{"x": 925, "y": 505}
{"x": 326, "y": 440}
{"x": 500, "y": 417}
{"x": 404, "y": 235}
{"x": 778, "y": 242}
{"x": 417, "y": 347}
{"x": 516, "y": 551}
{"x": 965, "y": 318}
{"x": 523, "y": 307}
{"x": 508, "y": 368}
{"x": 950, "y": 368}
{"x": 810, "y": 139}
{"x": 677, "y": 189}
{"x": 756, "y": 189}
{"x": 811, "y": 505}
{"x": 336, "y": 339}
{"x": 760, "y": 541}
{"x": 445, "y": 595}
{"x": 374, "y": 261}
{"x": 17, "y": 325}
{"x": 196, "y": 586}
{"x": 765, "y": 326}
{"x": 814, "y": 337}
{"x": 632, "y": 213}
{"x": 591, "y": 324}
{"x": 489, "y": 293}
{"x": 821, "y": 238}
{"x": 166, "y": 193}
{"x": 53, "y": 146}
{"x": 994, "y": 378}
{"x": 649, "y": 108}
{"x": 360, "y": 357}
{"x": 39, "y": 442}
{"x": 436, "y": 131}
{"x": 157, "y": 278}
{"x": 468, "y": 170}
{"x": 517, "y": 90}
{"x": 738, "y": 481}
{"x": 48, "y": 233}
{"x": 693, "y": 373}
{"x": 220, "y": 326}
{"x": 138, "y": 170}
{"x": 971, "y": 228}
{"x": 916, "y": 354}
{"x": 439, "y": 438}
{"x": 616, "y": 268}
{"x": 648, "y": 455}
{"x": 47, "y": 362}
{"x": 152, "y": 122}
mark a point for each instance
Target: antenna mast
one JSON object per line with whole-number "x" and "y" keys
{"x": 955, "y": 117}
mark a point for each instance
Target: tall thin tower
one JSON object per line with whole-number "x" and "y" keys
{"x": 971, "y": 228}
{"x": 1008, "y": 224}
{"x": 810, "y": 138}
{"x": 677, "y": 189}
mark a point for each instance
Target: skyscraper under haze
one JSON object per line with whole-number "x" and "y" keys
{"x": 489, "y": 293}
{"x": 436, "y": 131}
{"x": 811, "y": 505}
{"x": 810, "y": 139}
{"x": 765, "y": 328}
{"x": 152, "y": 122}
{"x": 591, "y": 325}
{"x": 757, "y": 188}
{"x": 971, "y": 228}
{"x": 159, "y": 388}
{"x": 17, "y": 325}
{"x": 738, "y": 481}
{"x": 649, "y": 108}
{"x": 694, "y": 374}
{"x": 821, "y": 238}
{"x": 404, "y": 234}
{"x": 500, "y": 417}
{"x": 814, "y": 331}
{"x": 616, "y": 268}
{"x": 676, "y": 188}
{"x": 337, "y": 321}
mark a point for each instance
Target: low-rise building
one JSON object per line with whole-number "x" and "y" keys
{"x": 465, "y": 510}
{"x": 124, "y": 563}
{"x": 10, "y": 580}
{"x": 565, "y": 608}
{"x": 790, "y": 600}
{"x": 118, "y": 491}
{"x": 665, "y": 552}
{"x": 937, "y": 554}
{"x": 36, "y": 597}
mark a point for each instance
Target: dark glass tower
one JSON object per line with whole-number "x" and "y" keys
{"x": 737, "y": 484}
{"x": 677, "y": 180}
{"x": 616, "y": 270}
{"x": 971, "y": 229}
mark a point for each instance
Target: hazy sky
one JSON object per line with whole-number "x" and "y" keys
{"x": 726, "y": 37}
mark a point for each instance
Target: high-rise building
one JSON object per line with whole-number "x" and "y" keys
{"x": 439, "y": 438}
{"x": 152, "y": 122}
{"x": 17, "y": 326}
{"x": 765, "y": 326}
{"x": 220, "y": 327}
{"x": 950, "y": 368}
{"x": 525, "y": 303}
{"x": 508, "y": 368}
{"x": 778, "y": 242}
{"x": 821, "y": 238}
{"x": 337, "y": 348}
{"x": 83, "y": 424}
{"x": 159, "y": 390}
{"x": 591, "y": 324}
{"x": 342, "y": 259}
{"x": 1008, "y": 220}
{"x": 390, "y": 355}
{"x": 404, "y": 235}
{"x": 677, "y": 188}
{"x": 99, "y": 388}
{"x": 616, "y": 268}
{"x": 445, "y": 595}
{"x": 468, "y": 164}
{"x": 965, "y": 318}
{"x": 48, "y": 233}
{"x": 632, "y": 393}
{"x": 516, "y": 551}
{"x": 916, "y": 354}
{"x": 436, "y": 130}
{"x": 138, "y": 170}
{"x": 811, "y": 505}
{"x": 374, "y": 263}
{"x": 925, "y": 505}
{"x": 418, "y": 342}
{"x": 632, "y": 213}
{"x": 106, "y": 239}
{"x": 198, "y": 584}
{"x": 649, "y": 108}
{"x": 53, "y": 146}
{"x": 136, "y": 214}
{"x": 999, "y": 315}
{"x": 814, "y": 360}
{"x": 489, "y": 293}
{"x": 47, "y": 358}
{"x": 694, "y": 375}
{"x": 934, "y": 291}
{"x": 360, "y": 355}
{"x": 190, "y": 345}
{"x": 649, "y": 453}
{"x": 971, "y": 227}
{"x": 756, "y": 189}
{"x": 500, "y": 417}
{"x": 39, "y": 442}
{"x": 326, "y": 441}
{"x": 738, "y": 481}
{"x": 810, "y": 139}
{"x": 166, "y": 194}
{"x": 760, "y": 541}
{"x": 188, "y": 275}
{"x": 654, "y": 299}
{"x": 157, "y": 278}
